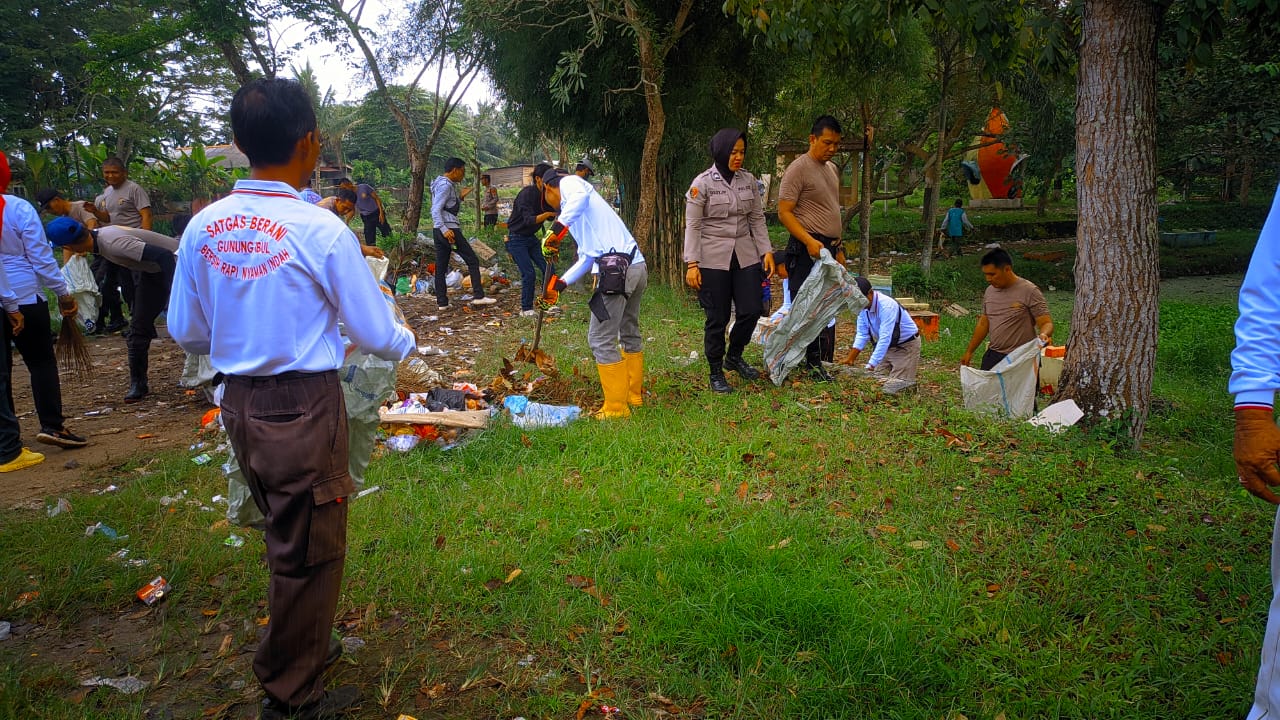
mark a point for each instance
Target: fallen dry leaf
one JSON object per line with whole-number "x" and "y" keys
{"x": 579, "y": 581}
{"x": 742, "y": 490}
{"x": 492, "y": 584}
{"x": 887, "y": 529}
{"x": 24, "y": 599}
{"x": 594, "y": 591}
{"x": 225, "y": 647}
{"x": 219, "y": 525}
{"x": 993, "y": 587}
{"x": 512, "y": 576}
{"x": 439, "y": 542}
{"x": 1157, "y": 528}
{"x": 918, "y": 544}
{"x": 209, "y": 612}
{"x": 780, "y": 544}
{"x": 146, "y": 436}
{"x": 952, "y": 545}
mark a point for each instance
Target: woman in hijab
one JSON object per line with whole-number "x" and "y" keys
{"x": 727, "y": 254}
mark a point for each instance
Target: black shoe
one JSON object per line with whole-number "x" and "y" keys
{"x": 719, "y": 384}
{"x": 740, "y": 366}
{"x": 137, "y": 391}
{"x": 115, "y": 327}
{"x": 819, "y": 374}
{"x": 62, "y": 438}
{"x": 335, "y": 650}
{"x": 333, "y": 704}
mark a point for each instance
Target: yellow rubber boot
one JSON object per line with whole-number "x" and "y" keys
{"x": 635, "y": 377}
{"x": 613, "y": 381}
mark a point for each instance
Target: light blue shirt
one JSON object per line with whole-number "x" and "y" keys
{"x": 1255, "y": 363}
{"x": 443, "y": 192}
{"x": 262, "y": 280}
{"x": 26, "y": 254}
{"x": 884, "y": 314}
{"x": 310, "y": 195}
{"x": 594, "y": 225}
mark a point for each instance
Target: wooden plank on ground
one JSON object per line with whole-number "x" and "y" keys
{"x": 444, "y": 418}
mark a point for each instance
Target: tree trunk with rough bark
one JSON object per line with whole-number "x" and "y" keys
{"x": 1112, "y": 349}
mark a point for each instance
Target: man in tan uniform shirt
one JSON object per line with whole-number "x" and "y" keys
{"x": 809, "y": 207}
{"x": 1013, "y": 312}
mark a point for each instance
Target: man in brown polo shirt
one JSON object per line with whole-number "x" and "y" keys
{"x": 809, "y": 207}
{"x": 1013, "y": 312}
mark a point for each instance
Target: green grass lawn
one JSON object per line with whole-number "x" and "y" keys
{"x": 798, "y": 552}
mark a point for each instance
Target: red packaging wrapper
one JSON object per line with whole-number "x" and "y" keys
{"x": 154, "y": 591}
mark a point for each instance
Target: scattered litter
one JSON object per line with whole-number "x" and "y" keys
{"x": 101, "y": 529}
{"x": 201, "y": 459}
{"x": 96, "y": 413}
{"x": 526, "y": 414}
{"x": 402, "y": 443}
{"x": 5, "y": 628}
{"x": 430, "y": 350}
{"x": 368, "y": 491}
{"x": 352, "y": 644}
{"x": 527, "y": 660}
{"x": 122, "y": 556}
{"x": 168, "y": 500}
{"x": 218, "y": 499}
{"x": 1058, "y": 416}
{"x": 127, "y": 685}
{"x": 24, "y": 599}
{"x": 197, "y": 446}
{"x": 58, "y": 508}
{"x": 105, "y": 490}
{"x": 402, "y": 716}
{"x": 955, "y": 310}
{"x": 609, "y": 710}
{"x": 234, "y": 541}
{"x": 154, "y": 591}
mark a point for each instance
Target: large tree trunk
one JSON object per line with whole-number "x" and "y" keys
{"x": 933, "y": 173}
{"x": 865, "y": 192}
{"x": 417, "y": 186}
{"x": 651, "y": 78}
{"x": 1112, "y": 350}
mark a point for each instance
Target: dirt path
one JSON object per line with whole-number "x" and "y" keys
{"x": 169, "y": 416}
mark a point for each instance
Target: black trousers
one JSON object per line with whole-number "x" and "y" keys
{"x": 991, "y": 358}
{"x": 10, "y": 432}
{"x": 35, "y": 344}
{"x": 444, "y": 249}
{"x": 739, "y": 288}
{"x": 370, "y": 228}
{"x": 151, "y": 297}
{"x": 799, "y": 265}
{"x": 115, "y": 283}
{"x": 289, "y": 433}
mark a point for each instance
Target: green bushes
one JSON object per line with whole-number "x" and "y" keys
{"x": 1211, "y": 216}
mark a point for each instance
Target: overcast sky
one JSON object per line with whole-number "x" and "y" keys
{"x": 334, "y": 70}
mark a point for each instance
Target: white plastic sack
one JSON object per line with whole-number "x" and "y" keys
{"x": 84, "y": 288}
{"x": 827, "y": 290}
{"x": 1009, "y": 388}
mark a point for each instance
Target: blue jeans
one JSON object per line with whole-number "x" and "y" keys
{"x": 527, "y": 252}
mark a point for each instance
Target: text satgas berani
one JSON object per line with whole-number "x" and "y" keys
{"x": 266, "y": 226}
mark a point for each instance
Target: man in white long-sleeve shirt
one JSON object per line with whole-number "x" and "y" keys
{"x": 895, "y": 335}
{"x": 31, "y": 269}
{"x": 263, "y": 280}
{"x": 446, "y": 203}
{"x": 615, "y": 318}
{"x": 1255, "y": 377}
{"x": 12, "y": 455}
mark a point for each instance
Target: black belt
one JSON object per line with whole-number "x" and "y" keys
{"x": 281, "y": 377}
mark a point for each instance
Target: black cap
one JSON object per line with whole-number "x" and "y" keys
{"x": 45, "y": 196}
{"x": 552, "y": 177}
{"x": 864, "y": 285}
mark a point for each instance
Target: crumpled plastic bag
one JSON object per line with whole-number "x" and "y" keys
{"x": 828, "y": 289}
{"x": 1009, "y": 388}
{"x": 530, "y": 415}
{"x": 84, "y": 288}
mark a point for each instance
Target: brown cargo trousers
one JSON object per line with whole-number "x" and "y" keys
{"x": 289, "y": 432}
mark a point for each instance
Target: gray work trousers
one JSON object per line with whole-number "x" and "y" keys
{"x": 623, "y": 325}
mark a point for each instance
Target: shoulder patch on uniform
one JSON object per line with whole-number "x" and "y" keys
{"x": 693, "y": 191}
